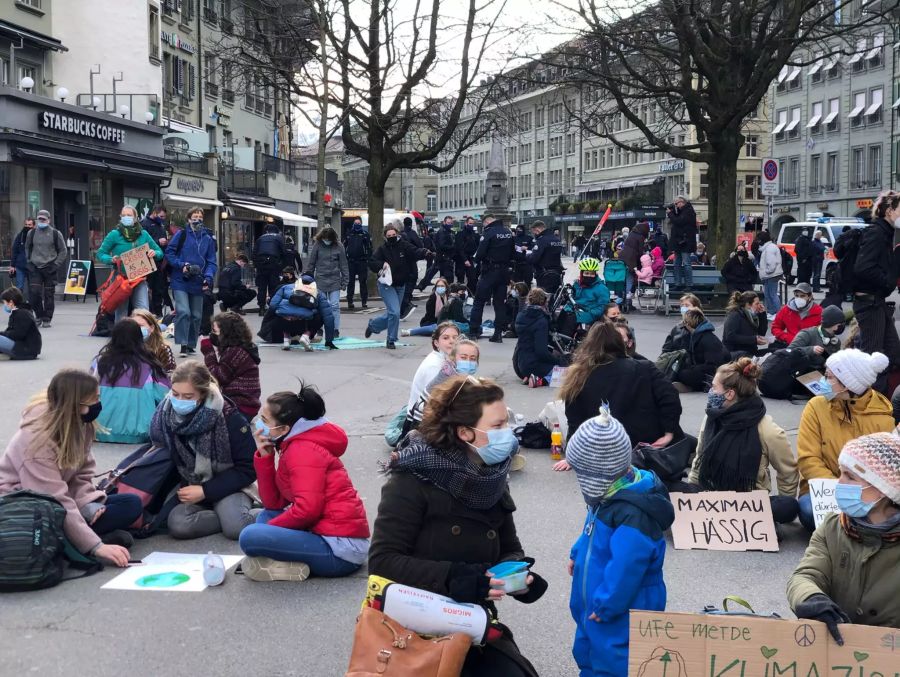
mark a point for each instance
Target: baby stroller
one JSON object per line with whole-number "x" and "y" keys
{"x": 614, "y": 272}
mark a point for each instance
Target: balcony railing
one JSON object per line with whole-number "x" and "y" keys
{"x": 188, "y": 162}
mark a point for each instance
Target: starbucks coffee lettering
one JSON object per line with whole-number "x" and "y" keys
{"x": 91, "y": 129}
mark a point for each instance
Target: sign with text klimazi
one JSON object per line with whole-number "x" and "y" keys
{"x": 770, "y": 177}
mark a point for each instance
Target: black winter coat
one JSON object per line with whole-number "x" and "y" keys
{"x": 739, "y": 274}
{"x": 684, "y": 229}
{"x": 706, "y": 350}
{"x": 430, "y": 316}
{"x": 632, "y": 250}
{"x": 243, "y": 447}
{"x": 739, "y": 334}
{"x": 401, "y": 256}
{"x": 875, "y": 271}
{"x": 533, "y": 354}
{"x": 23, "y": 330}
{"x": 639, "y": 396}
{"x": 677, "y": 339}
{"x": 230, "y": 277}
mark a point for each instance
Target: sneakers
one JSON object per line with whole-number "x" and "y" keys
{"x": 331, "y": 346}
{"x": 537, "y": 382}
{"x": 45, "y": 324}
{"x": 185, "y": 352}
{"x": 365, "y": 306}
{"x": 118, "y": 537}
{"x": 368, "y": 332}
{"x": 294, "y": 342}
{"x": 390, "y": 345}
{"x": 412, "y": 309}
{"x": 496, "y": 338}
{"x": 265, "y": 569}
{"x": 404, "y": 333}
{"x": 304, "y": 341}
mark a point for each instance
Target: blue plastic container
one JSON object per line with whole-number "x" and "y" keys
{"x": 514, "y": 575}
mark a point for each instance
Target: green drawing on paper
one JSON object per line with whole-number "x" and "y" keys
{"x": 767, "y": 652}
{"x": 169, "y": 579}
{"x": 860, "y": 656}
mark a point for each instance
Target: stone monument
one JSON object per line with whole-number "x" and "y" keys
{"x": 496, "y": 193}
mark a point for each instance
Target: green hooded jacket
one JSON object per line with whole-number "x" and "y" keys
{"x": 115, "y": 244}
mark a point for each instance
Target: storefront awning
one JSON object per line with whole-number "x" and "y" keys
{"x": 288, "y": 218}
{"x": 193, "y": 200}
{"x": 44, "y": 41}
{"x": 155, "y": 175}
{"x": 55, "y": 158}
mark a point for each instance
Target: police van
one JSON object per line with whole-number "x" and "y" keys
{"x": 831, "y": 228}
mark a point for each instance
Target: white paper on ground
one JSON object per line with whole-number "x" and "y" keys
{"x": 167, "y": 572}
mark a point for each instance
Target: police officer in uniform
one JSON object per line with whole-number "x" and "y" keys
{"x": 546, "y": 257}
{"x": 523, "y": 271}
{"x": 495, "y": 257}
{"x": 446, "y": 248}
{"x": 358, "y": 245}
{"x": 268, "y": 257}
{"x": 466, "y": 246}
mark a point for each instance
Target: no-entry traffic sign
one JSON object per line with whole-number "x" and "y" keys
{"x": 769, "y": 176}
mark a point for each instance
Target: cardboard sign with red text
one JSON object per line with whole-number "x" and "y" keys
{"x": 724, "y": 520}
{"x": 138, "y": 262}
{"x": 708, "y": 645}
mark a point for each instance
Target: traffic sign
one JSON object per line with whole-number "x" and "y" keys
{"x": 769, "y": 176}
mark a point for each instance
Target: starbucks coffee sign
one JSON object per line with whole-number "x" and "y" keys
{"x": 70, "y": 124}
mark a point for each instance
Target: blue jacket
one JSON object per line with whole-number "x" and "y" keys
{"x": 198, "y": 250}
{"x": 618, "y": 566}
{"x": 19, "y": 254}
{"x": 591, "y": 301}
{"x": 284, "y": 308}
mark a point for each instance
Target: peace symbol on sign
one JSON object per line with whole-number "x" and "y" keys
{"x": 805, "y": 635}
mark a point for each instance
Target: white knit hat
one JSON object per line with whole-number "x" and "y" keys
{"x": 599, "y": 453}
{"x": 855, "y": 369}
{"x": 875, "y": 458}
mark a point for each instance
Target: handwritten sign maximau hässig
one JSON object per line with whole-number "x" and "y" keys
{"x": 706, "y": 645}
{"x": 723, "y": 520}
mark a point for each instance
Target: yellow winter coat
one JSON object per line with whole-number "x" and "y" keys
{"x": 825, "y": 427}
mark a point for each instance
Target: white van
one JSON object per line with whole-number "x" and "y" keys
{"x": 830, "y": 226}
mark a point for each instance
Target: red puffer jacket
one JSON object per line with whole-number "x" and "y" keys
{"x": 788, "y": 322}
{"x": 312, "y": 483}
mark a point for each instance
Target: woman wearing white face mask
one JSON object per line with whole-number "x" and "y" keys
{"x": 847, "y": 409}
{"x": 849, "y": 571}
{"x": 127, "y": 236}
{"x": 212, "y": 448}
{"x": 874, "y": 279}
{"x": 801, "y": 312}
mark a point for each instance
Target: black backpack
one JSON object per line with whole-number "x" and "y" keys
{"x": 534, "y": 435}
{"x": 303, "y": 299}
{"x": 779, "y": 372}
{"x": 33, "y": 545}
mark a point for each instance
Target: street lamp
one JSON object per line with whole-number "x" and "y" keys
{"x": 148, "y": 116}
{"x": 27, "y": 83}
{"x": 62, "y": 93}
{"x": 123, "y": 110}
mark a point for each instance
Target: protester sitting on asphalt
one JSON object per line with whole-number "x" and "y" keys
{"x": 128, "y": 235}
{"x": 628, "y": 335}
{"x": 446, "y": 514}
{"x": 801, "y": 312}
{"x": 534, "y": 361}
{"x": 21, "y": 340}
{"x": 820, "y": 343}
{"x": 437, "y": 300}
{"x": 51, "y": 454}
{"x": 132, "y": 384}
{"x": 612, "y": 311}
{"x": 849, "y": 571}
{"x": 739, "y": 273}
{"x": 638, "y": 394}
{"x": 154, "y": 339}
{"x": 300, "y": 323}
{"x": 738, "y": 442}
{"x": 313, "y": 521}
{"x": 515, "y": 297}
{"x": 444, "y": 336}
{"x": 394, "y": 260}
{"x": 744, "y": 331}
{"x": 705, "y": 353}
{"x": 848, "y": 408}
{"x": 212, "y": 448}
{"x": 678, "y": 337}
{"x": 617, "y": 562}
{"x": 233, "y": 294}
{"x": 233, "y": 360}
{"x": 327, "y": 264}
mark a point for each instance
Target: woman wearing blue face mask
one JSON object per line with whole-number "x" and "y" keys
{"x": 328, "y": 266}
{"x": 849, "y": 572}
{"x": 127, "y": 236}
{"x": 847, "y": 408}
{"x": 679, "y": 338}
{"x": 446, "y": 514}
{"x": 212, "y": 448}
{"x": 462, "y": 360}
{"x": 439, "y": 299}
{"x": 132, "y": 384}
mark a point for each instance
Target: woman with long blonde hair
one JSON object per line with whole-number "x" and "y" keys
{"x": 154, "y": 340}
{"x": 51, "y": 454}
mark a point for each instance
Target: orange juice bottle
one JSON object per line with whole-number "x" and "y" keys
{"x": 556, "y": 443}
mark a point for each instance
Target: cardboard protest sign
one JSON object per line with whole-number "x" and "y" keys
{"x": 138, "y": 262}
{"x": 703, "y": 645}
{"x": 821, "y": 492}
{"x": 723, "y": 520}
{"x": 557, "y": 376}
{"x": 77, "y": 277}
{"x": 812, "y": 381}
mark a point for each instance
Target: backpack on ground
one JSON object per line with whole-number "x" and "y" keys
{"x": 534, "y": 435}
{"x": 669, "y": 363}
{"x": 779, "y": 373}
{"x": 34, "y": 549}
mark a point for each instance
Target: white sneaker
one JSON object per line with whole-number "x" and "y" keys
{"x": 404, "y": 332}
{"x": 304, "y": 341}
{"x": 265, "y": 569}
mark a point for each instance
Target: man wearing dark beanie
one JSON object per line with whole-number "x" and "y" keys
{"x": 820, "y": 343}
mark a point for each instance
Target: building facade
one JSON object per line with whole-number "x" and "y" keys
{"x": 832, "y": 128}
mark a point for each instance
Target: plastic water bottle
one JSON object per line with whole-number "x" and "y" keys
{"x": 213, "y": 569}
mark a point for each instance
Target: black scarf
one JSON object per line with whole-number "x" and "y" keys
{"x": 478, "y": 487}
{"x": 732, "y": 450}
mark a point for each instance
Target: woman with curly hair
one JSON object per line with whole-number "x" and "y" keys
{"x": 132, "y": 384}
{"x": 154, "y": 339}
{"x": 233, "y": 359}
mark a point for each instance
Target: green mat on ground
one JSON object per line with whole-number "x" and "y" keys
{"x": 343, "y": 343}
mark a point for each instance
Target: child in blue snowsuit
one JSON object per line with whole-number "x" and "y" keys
{"x": 617, "y": 562}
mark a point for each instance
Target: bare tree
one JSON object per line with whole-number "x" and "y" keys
{"x": 706, "y": 65}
